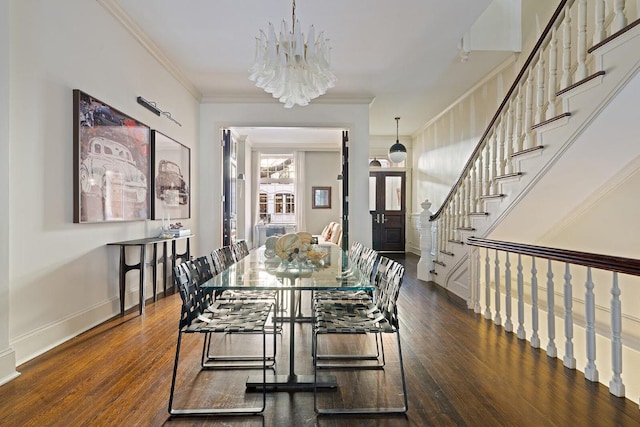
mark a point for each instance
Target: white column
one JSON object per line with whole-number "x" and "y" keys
{"x": 425, "y": 265}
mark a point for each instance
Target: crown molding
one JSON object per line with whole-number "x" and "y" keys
{"x": 114, "y": 8}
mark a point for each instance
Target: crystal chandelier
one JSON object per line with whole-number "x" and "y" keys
{"x": 292, "y": 69}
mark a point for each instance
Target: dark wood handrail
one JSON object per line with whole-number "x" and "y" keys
{"x": 512, "y": 89}
{"x": 587, "y": 259}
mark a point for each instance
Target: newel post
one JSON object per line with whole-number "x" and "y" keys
{"x": 425, "y": 265}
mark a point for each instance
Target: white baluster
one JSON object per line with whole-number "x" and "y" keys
{"x": 551, "y": 313}
{"x": 581, "y": 72}
{"x": 480, "y": 171}
{"x": 553, "y": 71}
{"x": 540, "y": 91}
{"x": 508, "y": 326}
{"x": 507, "y": 166}
{"x": 569, "y": 360}
{"x": 494, "y": 164}
{"x": 500, "y": 156}
{"x": 566, "y": 49}
{"x": 497, "y": 319}
{"x": 467, "y": 201}
{"x": 435, "y": 240}
{"x": 487, "y": 166}
{"x": 599, "y": 33}
{"x": 519, "y": 132}
{"x": 477, "y": 308}
{"x": 487, "y": 287}
{"x": 619, "y": 20}
{"x": 616, "y": 387}
{"x": 520, "y": 279}
{"x": 476, "y": 273}
{"x": 590, "y": 371}
{"x": 473, "y": 188}
{"x": 535, "y": 338}
{"x": 528, "y": 112}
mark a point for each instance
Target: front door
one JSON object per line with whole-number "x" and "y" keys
{"x": 387, "y": 207}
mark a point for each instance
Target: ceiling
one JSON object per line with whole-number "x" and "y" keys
{"x": 403, "y": 54}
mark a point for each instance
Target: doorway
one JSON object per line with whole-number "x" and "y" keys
{"x": 387, "y": 200}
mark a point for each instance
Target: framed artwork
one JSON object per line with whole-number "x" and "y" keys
{"x": 321, "y": 197}
{"x": 171, "y": 178}
{"x": 111, "y": 163}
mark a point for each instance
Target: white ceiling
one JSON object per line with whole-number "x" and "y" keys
{"x": 403, "y": 54}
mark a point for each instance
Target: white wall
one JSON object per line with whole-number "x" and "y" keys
{"x": 322, "y": 169}
{"x": 63, "y": 278}
{"x": 7, "y": 355}
{"x": 442, "y": 147}
{"x": 215, "y": 116}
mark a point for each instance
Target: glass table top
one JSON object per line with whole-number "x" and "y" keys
{"x": 260, "y": 271}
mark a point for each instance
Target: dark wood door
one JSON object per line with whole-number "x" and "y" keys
{"x": 387, "y": 200}
{"x": 229, "y": 205}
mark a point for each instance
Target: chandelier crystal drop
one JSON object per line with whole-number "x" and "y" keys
{"x": 292, "y": 69}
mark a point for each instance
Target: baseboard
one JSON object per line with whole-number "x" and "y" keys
{"x": 8, "y": 366}
{"x": 43, "y": 339}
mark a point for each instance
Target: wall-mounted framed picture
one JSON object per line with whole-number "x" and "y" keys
{"x": 171, "y": 178}
{"x": 111, "y": 163}
{"x": 321, "y": 197}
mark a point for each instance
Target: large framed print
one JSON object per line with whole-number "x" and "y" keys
{"x": 171, "y": 178}
{"x": 112, "y": 167}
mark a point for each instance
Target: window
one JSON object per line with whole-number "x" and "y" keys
{"x": 284, "y": 203}
{"x": 263, "y": 204}
{"x": 277, "y": 188}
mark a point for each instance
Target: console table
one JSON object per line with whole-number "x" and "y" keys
{"x": 140, "y": 266}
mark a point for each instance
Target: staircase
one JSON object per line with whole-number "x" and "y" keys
{"x": 567, "y": 101}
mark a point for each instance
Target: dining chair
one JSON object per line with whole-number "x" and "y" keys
{"x": 378, "y": 317}
{"x": 217, "y": 318}
{"x": 380, "y": 265}
{"x": 220, "y": 262}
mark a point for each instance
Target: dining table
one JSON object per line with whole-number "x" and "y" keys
{"x": 325, "y": 267}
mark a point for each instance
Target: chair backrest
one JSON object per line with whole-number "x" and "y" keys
{"x": 355, "y": 251}
{"x": 217, "y": 263}
{"x": 229, "y": 258}
{"x": 389, "y": 279}
{"x": 189, "y": 293}
{"x": 204, "y": 269}
{"x": 241, "y": 249}
{"x": 367, "y": 261}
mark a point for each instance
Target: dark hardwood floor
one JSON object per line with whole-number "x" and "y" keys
{"x": 461, "y": 370}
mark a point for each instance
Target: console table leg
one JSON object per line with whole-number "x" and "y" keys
{"x": 142, "y": 269}
{"x": 122, "y": 274}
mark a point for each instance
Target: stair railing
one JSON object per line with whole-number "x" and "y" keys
{"x": 558, "y": 62}
{"x": 533, "y": 277}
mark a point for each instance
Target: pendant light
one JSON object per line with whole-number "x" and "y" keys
{"x": 397, "y": 152}
{"x": 375, "y": 163}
